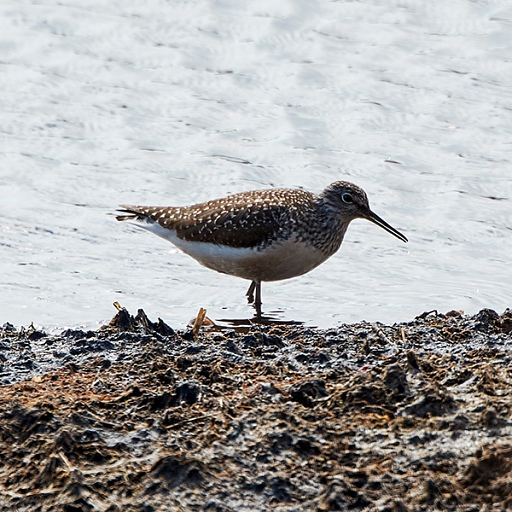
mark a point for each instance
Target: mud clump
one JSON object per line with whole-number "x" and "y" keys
{"x": 139, "y": 417}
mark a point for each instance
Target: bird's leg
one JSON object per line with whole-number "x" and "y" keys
{"x": 257, "y": 301}
{"x": 250, "y": 292}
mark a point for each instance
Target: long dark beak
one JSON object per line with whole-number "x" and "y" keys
{"x": 373, "y": 217}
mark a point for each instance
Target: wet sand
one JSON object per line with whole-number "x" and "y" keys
{"x": 138, "y": 417}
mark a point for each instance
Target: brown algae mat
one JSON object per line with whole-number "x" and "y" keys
{"x": 136, "y": 417}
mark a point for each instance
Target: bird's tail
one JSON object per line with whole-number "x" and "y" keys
{"x": 130, "y": 213}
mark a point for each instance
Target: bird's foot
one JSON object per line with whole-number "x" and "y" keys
{"x": 250, "y": 293}
{"x": 257, "y": 307}
{"x": 254, "y": 297}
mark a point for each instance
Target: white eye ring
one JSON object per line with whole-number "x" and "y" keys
{"x": 347, "y": 198}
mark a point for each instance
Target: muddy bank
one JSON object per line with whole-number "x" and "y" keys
{"x": 138, "y": 417}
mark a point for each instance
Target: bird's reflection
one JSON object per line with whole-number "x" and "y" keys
{"x": 244, "y": 324}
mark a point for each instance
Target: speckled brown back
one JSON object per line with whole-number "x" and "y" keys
{"x": 248, "y": 219}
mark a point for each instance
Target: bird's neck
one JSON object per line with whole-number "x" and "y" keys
{"x": 329, "y": 229}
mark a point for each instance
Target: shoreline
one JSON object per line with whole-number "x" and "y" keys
{"x": 137, "y": 416}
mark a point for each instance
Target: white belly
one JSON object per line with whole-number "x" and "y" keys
{"x": 278, "y": 261}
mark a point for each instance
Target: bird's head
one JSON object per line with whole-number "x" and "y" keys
{"x": 348, "y": 202}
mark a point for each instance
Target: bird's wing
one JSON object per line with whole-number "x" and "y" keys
{"x": 239, "y": 226}
{"x": 236, "y": 225}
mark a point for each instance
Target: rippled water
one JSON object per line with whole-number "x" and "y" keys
{"x": 161, "y": 103}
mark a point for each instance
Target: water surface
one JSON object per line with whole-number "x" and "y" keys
{"x": 177, "y": 102}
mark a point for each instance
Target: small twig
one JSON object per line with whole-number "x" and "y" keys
{"x": 198, "y": 322}
{"x": 65, "y": 460}
{"x": 118, "y": 306}
{"x": 381, "y": 334}
{"x": 191, "y": 420}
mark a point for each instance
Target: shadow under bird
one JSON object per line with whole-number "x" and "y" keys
{"x": 261, "y": 235}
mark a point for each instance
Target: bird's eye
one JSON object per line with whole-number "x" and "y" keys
{"x": 347, "y": 198}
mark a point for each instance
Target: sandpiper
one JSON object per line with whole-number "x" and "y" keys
{"x": 261, "y": 235}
